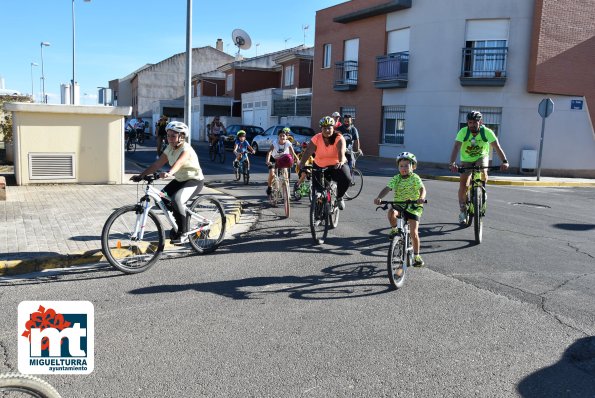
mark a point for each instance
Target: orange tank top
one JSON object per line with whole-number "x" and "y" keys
{"x": 326, "y": 155}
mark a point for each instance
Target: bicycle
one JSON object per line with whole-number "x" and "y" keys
{"x": 26, "y": 384}
{"x": 357, "y": 178}
{"x": 140, "y": 136}
{"x": 280, "y": 190}
{"x": 305, "y": 188}
{"x": 217, "y": 149}
{"x": 324, "y": 212}
{"x": 133, "y": 238}
{"x": 241, "y": 168}
{"x": 400, "y": 252}
{"x": 163, "y": 140}
{"x": 476, "y": 200}
{"x": 130, "y": 138}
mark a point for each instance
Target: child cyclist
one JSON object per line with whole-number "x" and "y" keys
{"x": 302, "y": 173}
{"x": 240, "y": 148}
{"x": 407, "y": 186}
{"x": 283, "y": 154}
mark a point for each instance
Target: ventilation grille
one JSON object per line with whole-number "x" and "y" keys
{"x": 51, "y": 166}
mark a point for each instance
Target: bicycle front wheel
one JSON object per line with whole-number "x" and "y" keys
{"x": 285, "y": 194}
{"x": 221, "y": 153}
{"x": 333, "y": 217}
{"x": 212, "y": 153}
{"x": 125, "y": 251}
{"x": 237, "y": 173}
{"x": 396, "y": 262}
{"x": 246, "y": 173}
{"x": 478, "y": 224}
{"x": 206, "y": 224}
{"x": 25, "y": 384}
{"x": 357, "y": 183}
{"x": 319, "y": 219}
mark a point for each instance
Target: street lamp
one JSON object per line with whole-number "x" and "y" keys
{"x": 32, "y": 92}
{"x": 73, "y": 53}
{"x": 43, "y": 98}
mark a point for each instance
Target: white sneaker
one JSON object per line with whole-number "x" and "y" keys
{"x": 340, "y": 203}
{"x": 462, "y": 217}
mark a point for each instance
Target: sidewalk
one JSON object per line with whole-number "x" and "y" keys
{"x": 57, "y": 226}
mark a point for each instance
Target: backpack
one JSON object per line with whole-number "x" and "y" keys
{"x": 481, "y": 132}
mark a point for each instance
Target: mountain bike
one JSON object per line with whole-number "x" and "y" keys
{"x": 133, "y": 238}
{"x": 400, "y": 252}
{"x": 305, "y": 188}
{"x": 324, "y": 212}
{"x": 280, "y": 190}
{"x": 357, "y": 178}
{"x": 217, "y": 150}
{"x": 476, "y": 200}
{"x": 26, "y": 385}
{"x": 241, "y": 168}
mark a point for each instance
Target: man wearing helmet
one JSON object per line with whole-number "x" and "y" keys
{"x": 328, "y": 146}
{"x": 473, "y": 143}
{"x": 188, "y": 177}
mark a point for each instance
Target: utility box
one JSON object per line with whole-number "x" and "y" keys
{"x": 528, "y": 161}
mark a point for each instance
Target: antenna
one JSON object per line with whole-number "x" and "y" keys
{"x": 286, "y": 40}
{"x": 304, "y": 28}
{"x": 241, "y": 39}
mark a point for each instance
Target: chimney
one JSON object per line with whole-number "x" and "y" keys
{"x": 219, "y": 45}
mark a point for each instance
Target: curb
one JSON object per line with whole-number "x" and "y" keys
{"x": 516, "y": 183}
{"x": 19, "y": 267}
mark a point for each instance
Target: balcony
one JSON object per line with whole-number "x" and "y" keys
{"x": 484, "y": 66}
{"x": 345, "y": 76}
{"x": 392, "y": 70}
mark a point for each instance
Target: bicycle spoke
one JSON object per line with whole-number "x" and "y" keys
{"x": 206, "y": 224}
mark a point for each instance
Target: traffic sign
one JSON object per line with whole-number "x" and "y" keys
{"x": 546, "y": 107}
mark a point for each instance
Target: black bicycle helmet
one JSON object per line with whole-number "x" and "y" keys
{"x": 474, "y": 115}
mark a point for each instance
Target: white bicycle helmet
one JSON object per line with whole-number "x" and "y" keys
{"x": 409, "y": 156}
{"x": 178, "y": 127}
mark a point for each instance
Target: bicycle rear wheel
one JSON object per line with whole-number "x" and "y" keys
{"x": 246, "y": 173}
{"x": 125, "y": 252}
{"x": 396, "y": 262}
{"x": 478, "y": 224}
{"x": 319, "y": 219}
{"x": 25, "y": 384}
{"x": 206, "y": 224}
{"x": 357, "y": 183}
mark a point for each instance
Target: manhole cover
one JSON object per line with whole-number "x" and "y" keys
{"x": 536, "y": 205}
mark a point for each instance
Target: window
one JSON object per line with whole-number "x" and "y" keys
{"x": 229, "y": 83}
{"x": 485, "y": 47}
{"x": 289, "y": 75}
{"x": 492, "y": 117}
{"x": 347, "y": 110}
{"x": 393, "y": 121}
{"x": 326, "y": 58}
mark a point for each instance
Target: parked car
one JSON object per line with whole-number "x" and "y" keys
{"x": 299, "y": 134}
{"x": 232, "y": 131}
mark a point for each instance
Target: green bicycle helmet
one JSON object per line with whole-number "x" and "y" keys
{"x": 285, "y": 130}
{"x": 407, "y": 155}
{"x": 241, "y": 133}
{"x": 327, "y": 121}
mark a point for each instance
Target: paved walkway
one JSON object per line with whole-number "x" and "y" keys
{"x": 54, "y": 226}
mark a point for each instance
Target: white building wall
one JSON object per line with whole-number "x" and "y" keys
{"x": 434, "y": 92}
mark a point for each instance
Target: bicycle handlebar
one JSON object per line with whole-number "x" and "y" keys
{"x": 147, "y": 178}
{"x": 386, "y": 203}
{"x": 477, "y": 168}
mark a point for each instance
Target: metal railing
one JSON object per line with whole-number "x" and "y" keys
{"x": 392, "y": 66}
{"x": 484, "y": 62}
{"x": 346, "y": 73}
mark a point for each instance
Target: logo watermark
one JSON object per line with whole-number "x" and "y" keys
{"x": 56, "y": 337}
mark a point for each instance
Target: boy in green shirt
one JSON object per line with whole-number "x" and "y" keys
{"x": 407, "y": 186}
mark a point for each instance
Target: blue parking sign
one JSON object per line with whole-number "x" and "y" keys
{"x": 576, "y": 104}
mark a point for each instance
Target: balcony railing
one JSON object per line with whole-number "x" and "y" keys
{"x": 346, "y": 75}
{"x": 484, "y": 66}
{"x": 392, "y": 70}
{"x": 292, "y": 102}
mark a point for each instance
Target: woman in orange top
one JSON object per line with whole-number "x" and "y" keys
{"x": 328, "y": 146}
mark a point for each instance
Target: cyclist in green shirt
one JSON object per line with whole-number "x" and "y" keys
{"x": 473, "y": 143}
{"x": 407, "y": 186}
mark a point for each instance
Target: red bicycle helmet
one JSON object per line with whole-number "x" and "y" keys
{"x": 284, "y": 161}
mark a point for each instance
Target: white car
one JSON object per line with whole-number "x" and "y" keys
{"x": 299, "y": 134}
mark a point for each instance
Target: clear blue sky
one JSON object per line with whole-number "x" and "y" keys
{"x": 116, "y": 37}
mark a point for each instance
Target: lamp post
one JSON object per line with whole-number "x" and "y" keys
{"x": 32, "y": 92}
{"x": 73, "y": 53}
{"x": 43, "y": 98}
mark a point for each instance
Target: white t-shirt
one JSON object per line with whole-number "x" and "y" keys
{"x": 279, "y": 150}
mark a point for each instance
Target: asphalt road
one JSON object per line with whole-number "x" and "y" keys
{"x": 271, "y": 314}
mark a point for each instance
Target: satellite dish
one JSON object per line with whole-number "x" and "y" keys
{"x": 241, "y": 39}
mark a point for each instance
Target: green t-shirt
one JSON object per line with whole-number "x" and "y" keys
{"x": 475, "y": 148}
{"x": 407, "y": 189}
